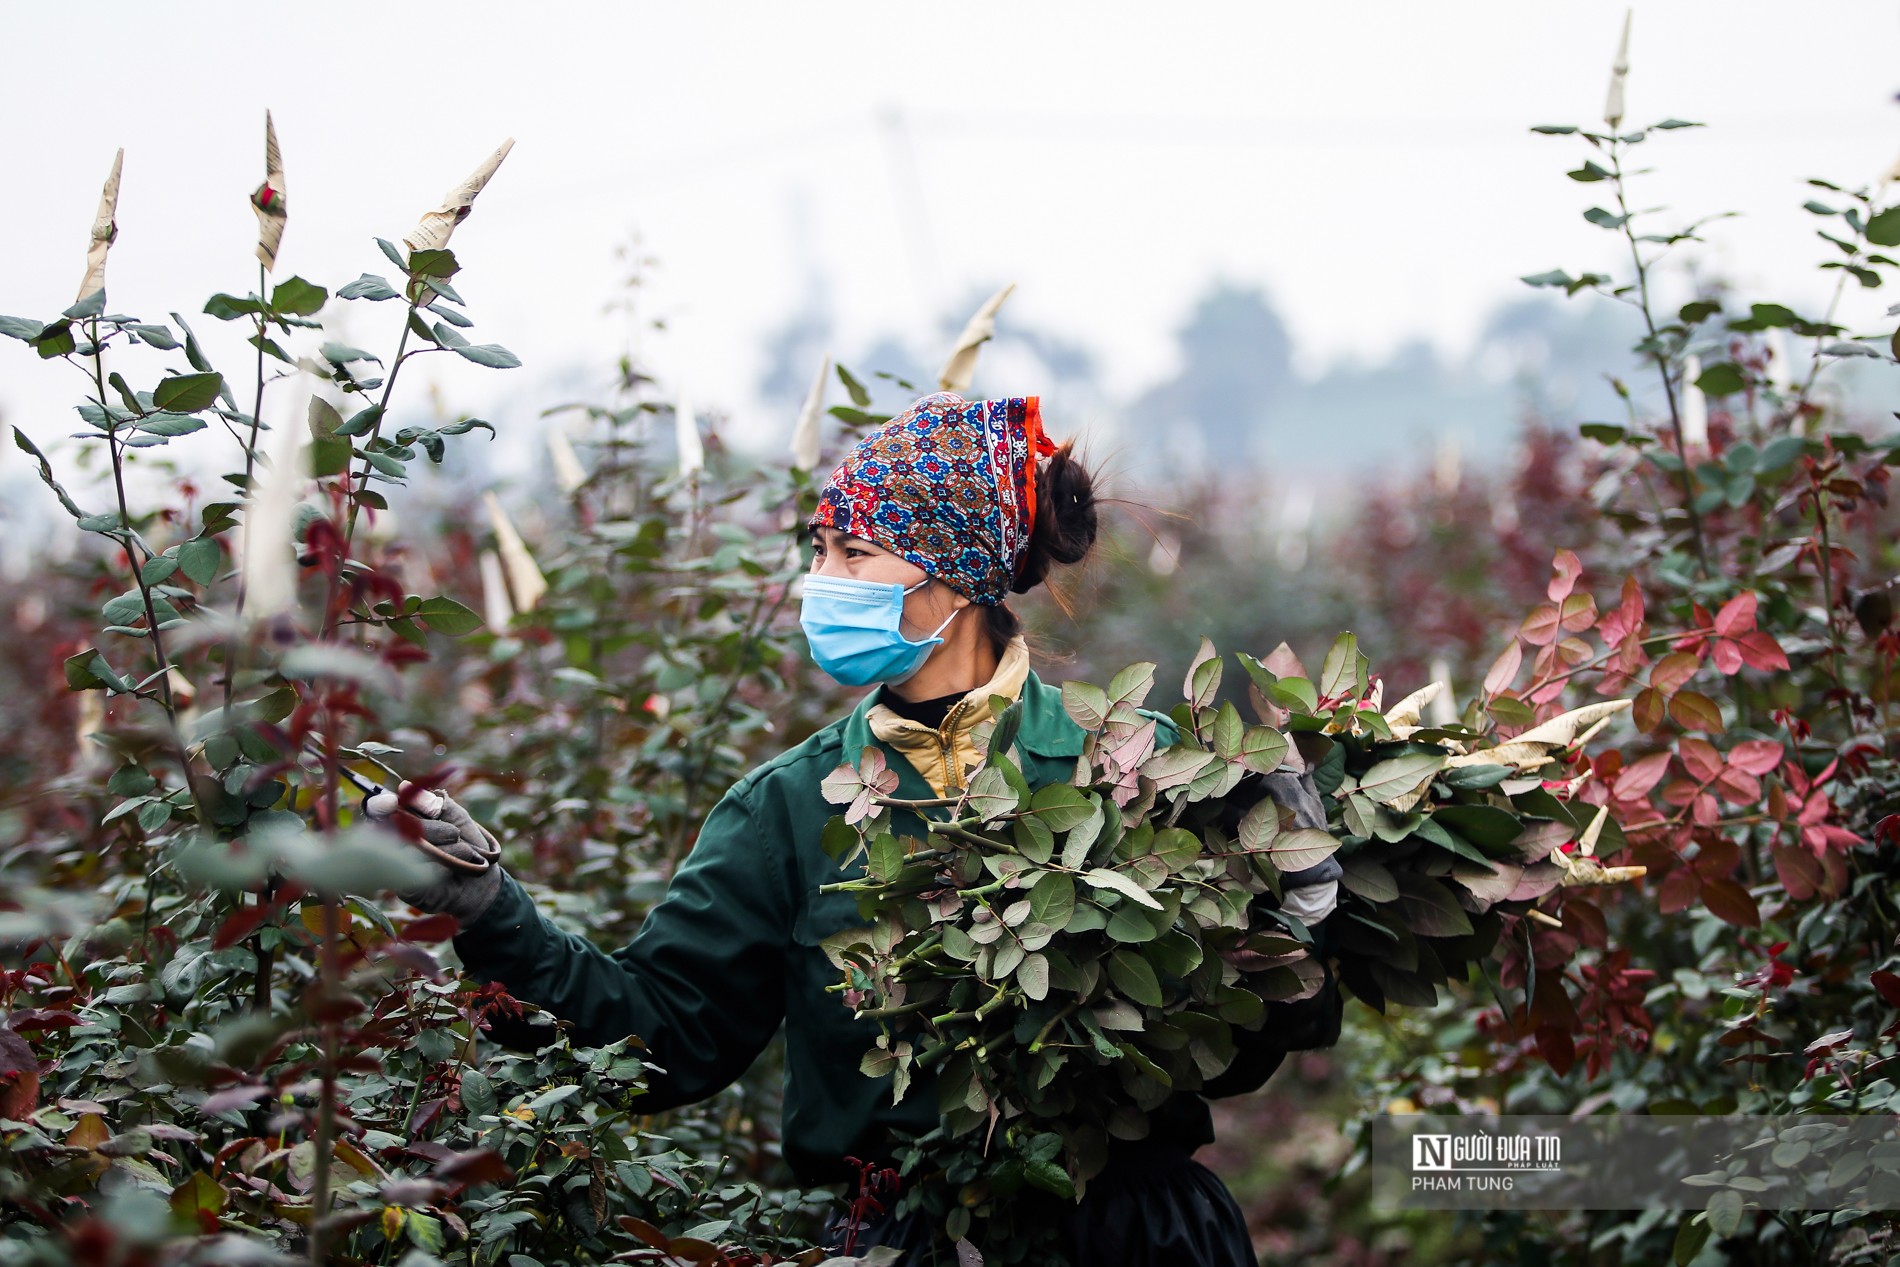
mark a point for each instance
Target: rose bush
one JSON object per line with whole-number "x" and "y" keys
{"x": 217, "y": 1039}
{"x": 202, "y": 1000}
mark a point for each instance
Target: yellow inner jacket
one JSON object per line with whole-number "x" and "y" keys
{"x": 946, "y": 755}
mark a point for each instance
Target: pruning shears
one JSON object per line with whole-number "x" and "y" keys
{"x": 423, "y": 802}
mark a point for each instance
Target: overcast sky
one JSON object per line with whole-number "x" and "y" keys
{"x": 1369, "y": 164}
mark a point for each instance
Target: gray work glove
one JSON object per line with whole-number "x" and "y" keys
{"x": 1312, "y": 893}
{"x": 464, "y": 894}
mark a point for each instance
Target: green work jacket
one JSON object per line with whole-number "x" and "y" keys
{"x": 733, "y": 951}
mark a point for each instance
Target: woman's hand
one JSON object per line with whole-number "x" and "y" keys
{"x": 1309, "y": 895}
{"x": 1311, "y": 903}
{"x": 468, "y": 870}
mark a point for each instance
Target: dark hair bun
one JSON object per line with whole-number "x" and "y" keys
{"x": 1065, "y": 524}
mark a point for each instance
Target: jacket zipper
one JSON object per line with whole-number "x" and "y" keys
{"x": 946, "y": 742}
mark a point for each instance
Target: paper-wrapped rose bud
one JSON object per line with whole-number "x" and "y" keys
{"x": 961, "y": 367}
{"x": 525, "y": 582}
{"x": 1442, "y": 708}
{"x": 805, "y": 435}
{"x": 269, "y": 566}
{"x": 1619, "y": 71}
{"x": 692, "y": 450}
{"x": 268, "y": 199}
{"x": 1695, "y": 408}
{"x": 105, "y": 231}
{"x": 568, "y": 471}
{"x": 1780, "y": 368}
{"x": 436, "y": 226}
{"x": 497, "y": 611}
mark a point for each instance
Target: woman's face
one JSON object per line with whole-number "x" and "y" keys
{"x": 838, "y": 554}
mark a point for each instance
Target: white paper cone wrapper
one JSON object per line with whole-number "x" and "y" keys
{"x": 436, "y": 226}
{"x": 961, "y": 367}
{"x": 1695, "y": 407}
{"x": 105, "y": 231}
{"x": 267, "y": 200}
{"x": 568, "y": 471}
{"x": 526, "y": 585}
{"x": 805, "y": 435}
{"x": 496, "y": 609}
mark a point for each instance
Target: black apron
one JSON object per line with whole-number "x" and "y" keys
{"x": 1152, "y": 1206}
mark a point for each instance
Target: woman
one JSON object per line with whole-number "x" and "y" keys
{"x": 920, "y": 534}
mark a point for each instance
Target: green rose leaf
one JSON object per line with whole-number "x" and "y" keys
{"x": 1295, "y": 693}
{"x": 298, "y": 297}
{"x": 1229, "y": 731}
{"x": 433, "y": 263}
{"x": 1115, "y": 881}
{"x": 1132, "y": 684}
{"x": 1260, "y": 826}
{"x": 859, "y": 395}
{"x": 885, "y": 857}
{"x": 1061, "y": 807}
{"x": 124, "y": 608}
{"x": 200, "y": 559}
{"x": 1203, "y": 678}
{"x": 158, "y": 336}
{"x": 1034, "y": 839}
{"x": 1086, "y": 705}
{"x": 361, "y": 422}
{"x": 1394, "y": 780}
{"x": 170, "y": 424}
{"x": 1722, "y": 379}
{"x": 445, "y": 615}
{"x": 1428, "y": 907}
{"x": 187, "y": 393}
{"x": 493, "y": 355}
{"x": 1052, "y": 901}
{"x": 1477, "y": 778}
{"x": 478, "y": 1095}
{"x": 1135, "y": 977}
{"x": 1884, "y": 228}
{"x": 1051, "y": 1178}
{"x": 1369, "y": 879}
{"x": 1344, "y": 673}
{"x": 990, "y": 795}
{"x": 1177, "y": 848}
{"x": 1483, "y": 825}
{"x": 370, "y": 287}
{"x": 1262, "y": 749}
{"x": 1725, "y": 1211}
{"x": 1691, "y": 1236}
{"x": 344, "y": 354}
{"x": 54, "y": 340}
{"x": 88, "y": 671}
{"x": 230, "y": 307}
{"x": 1302, "y": 848}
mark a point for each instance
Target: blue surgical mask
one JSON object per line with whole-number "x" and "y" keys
{"x": 855, "y": 631}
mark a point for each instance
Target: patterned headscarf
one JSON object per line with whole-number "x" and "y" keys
{"x": 948, "y": 485}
